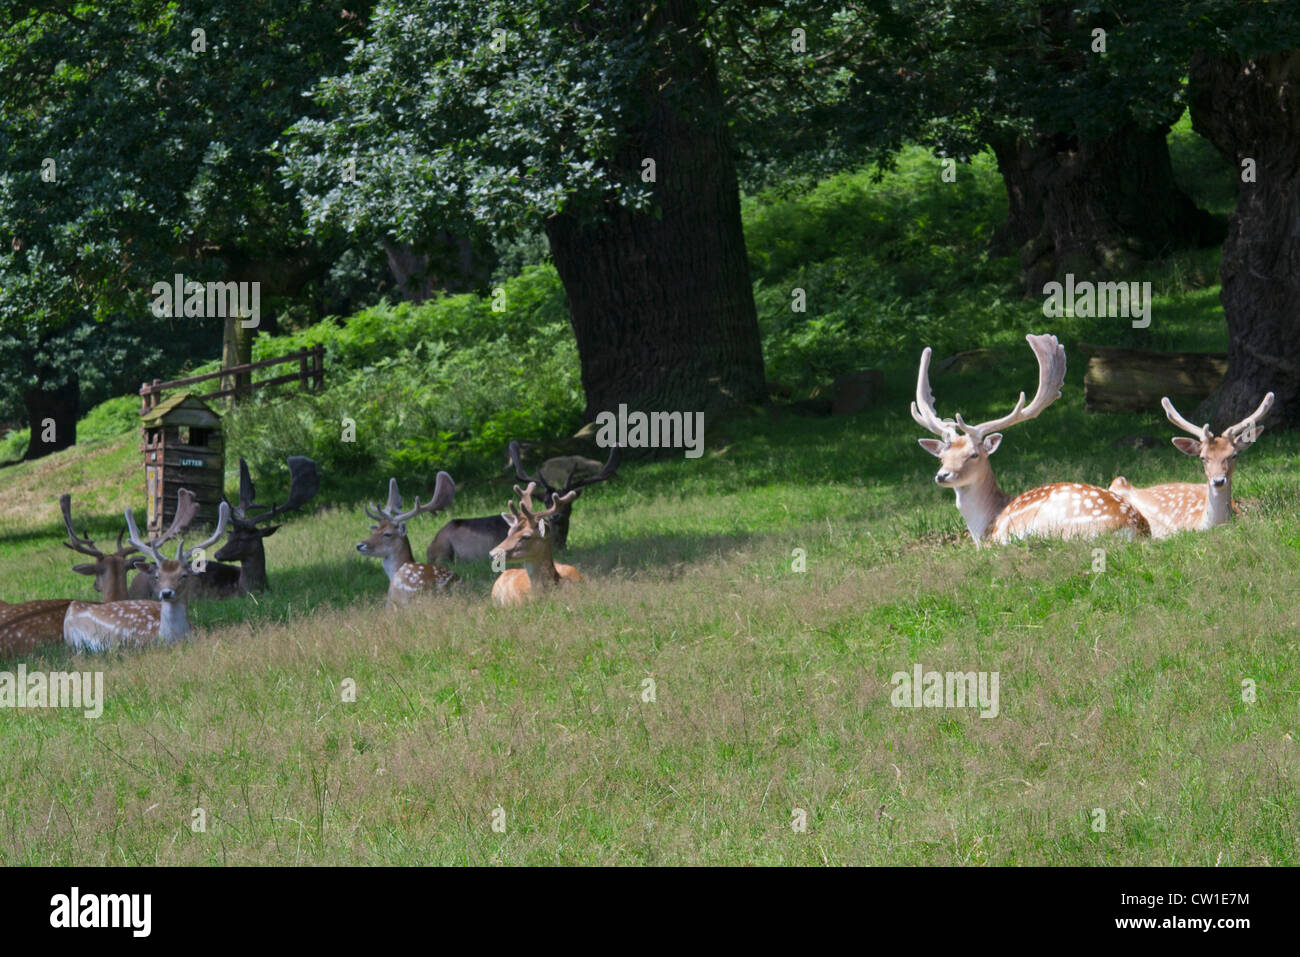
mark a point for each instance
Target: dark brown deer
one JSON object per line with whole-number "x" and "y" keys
{"x": 245, "y": 542}
{"x": 473, "y": 539}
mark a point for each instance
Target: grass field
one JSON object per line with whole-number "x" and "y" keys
{"x": 1120, "y": 689}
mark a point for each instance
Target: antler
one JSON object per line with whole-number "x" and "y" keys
{"x": 923, "y": 408}
{"x": 223, "y": 516}
{"x": 85, "y": 546}
{"x": 187, "y": 507}
{"x": 133, "y": 536}
{"x": 1051, "y": 375}
{"x": 1201, "y": 432}
{"x": 1250, "y": 421}
{"x": 444, "y": 490}
{"x": 513, "y": 450}
{"x": 304, "y": 483}
{"x": 609, "y": 468}
{"x": 526, "y": 502}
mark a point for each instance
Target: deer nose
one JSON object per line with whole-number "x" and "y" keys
{"x": 943, "y": 477}
{"x": 166, "y": 594}
{"x": 1218, "y": 481}
{"x": 362, "y": 548}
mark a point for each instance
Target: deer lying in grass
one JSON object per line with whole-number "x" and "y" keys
{"x": 26, "y": 626}
{"x": 529, "y": 542}
{"x": 245, "y": 542}
{"x": 137, "y": 622}
{"x": 472, "y": 539}
{"x": 1182, "y": 506}
{"x": 407, "y": 578}
{"x": 1059, "y": 510}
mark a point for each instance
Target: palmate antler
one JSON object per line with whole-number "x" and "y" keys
{"x": 1232, "y": 432}
{"x": 1051, "y": 375}
{"x": 444, "y": 490}
{"x": 606, "y": 471}
{"x": 304, "y": 483}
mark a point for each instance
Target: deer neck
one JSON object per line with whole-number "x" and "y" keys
{"x": 252, "y": 571}
{"x": 399, "y": 556}
{"x": 173, "y": 622}
{"x": 1218, "y": 504}
{"x": 980, "y": 504}
{"x": 541, "y": 569}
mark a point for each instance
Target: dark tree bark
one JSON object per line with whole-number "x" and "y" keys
{"x": 1251, "y": 110}
{"x": 52, "y": 417}
{"x": 1094, "y": 207}
{"x": 661, "y": 302}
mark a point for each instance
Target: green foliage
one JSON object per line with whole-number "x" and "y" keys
{"x": 437, "y": 385}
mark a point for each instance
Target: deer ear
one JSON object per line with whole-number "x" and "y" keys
{"x": 1187, "y": 446}
{"x": 86, "y": 569}
{"x": 269, "y": 530}
{"x": 541, "y": 527}
{"x": 401, "y": 528}
{"x": 137, "y": 561}
{"x": 510, "y": 519}
{"x": 991, "y": 443}
{"x": 933, "y": 446}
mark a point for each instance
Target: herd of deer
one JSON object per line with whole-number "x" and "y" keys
{"x": 154, "y": 607}
{"x": 1072, "y": 509}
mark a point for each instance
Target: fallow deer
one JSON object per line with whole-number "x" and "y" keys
{"x": 407, "y": 578}
{"x": 137, "y": 622}
{"x": 529, "y": 542}
{"x": 26, "y": 626}
{"x": 472, "y": 539}
{"x": 1059, "y": 510}
{"x": 245, "y": 542}
{"x": 1182, "y": 506}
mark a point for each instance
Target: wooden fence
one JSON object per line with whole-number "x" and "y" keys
{"x": 311, "y": 373}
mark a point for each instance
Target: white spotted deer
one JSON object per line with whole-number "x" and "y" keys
{"x": 26, "y": 626}
{"x": 137, "y": 622}
{"x": 529, "y": 541}
{"x": 1059, "y": 510}
{"x": 407, "y": 578}
{"x": 1184, "y": 506}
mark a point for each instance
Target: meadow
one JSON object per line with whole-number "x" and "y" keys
{"x": 728, "y": 660}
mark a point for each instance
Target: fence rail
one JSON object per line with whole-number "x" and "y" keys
{"x": 311, "y": 373}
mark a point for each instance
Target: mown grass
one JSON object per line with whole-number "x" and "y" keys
{"x": 1120, "y": 689}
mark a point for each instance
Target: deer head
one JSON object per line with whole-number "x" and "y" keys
{"x": 559, "y": 520}
{"x": 388, "y": 538}
{"x": 963, "y": 450}
{"x": 109, "y": 570}
{"x": 245, "y": 541}
{"x": 171, "y": 577}
{"x": 1218, "y": 453}
{"x": 528, "y": 540}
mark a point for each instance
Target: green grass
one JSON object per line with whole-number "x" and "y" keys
{"x": 1120, "y": 690}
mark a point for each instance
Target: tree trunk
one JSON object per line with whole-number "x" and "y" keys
{"x": 661, "y": 301}
{"x": 1094, "y": 207}
{"x": 1251, "y": 110}
{"x": 52, "y": 417}
{"x": 236, "y": 349}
